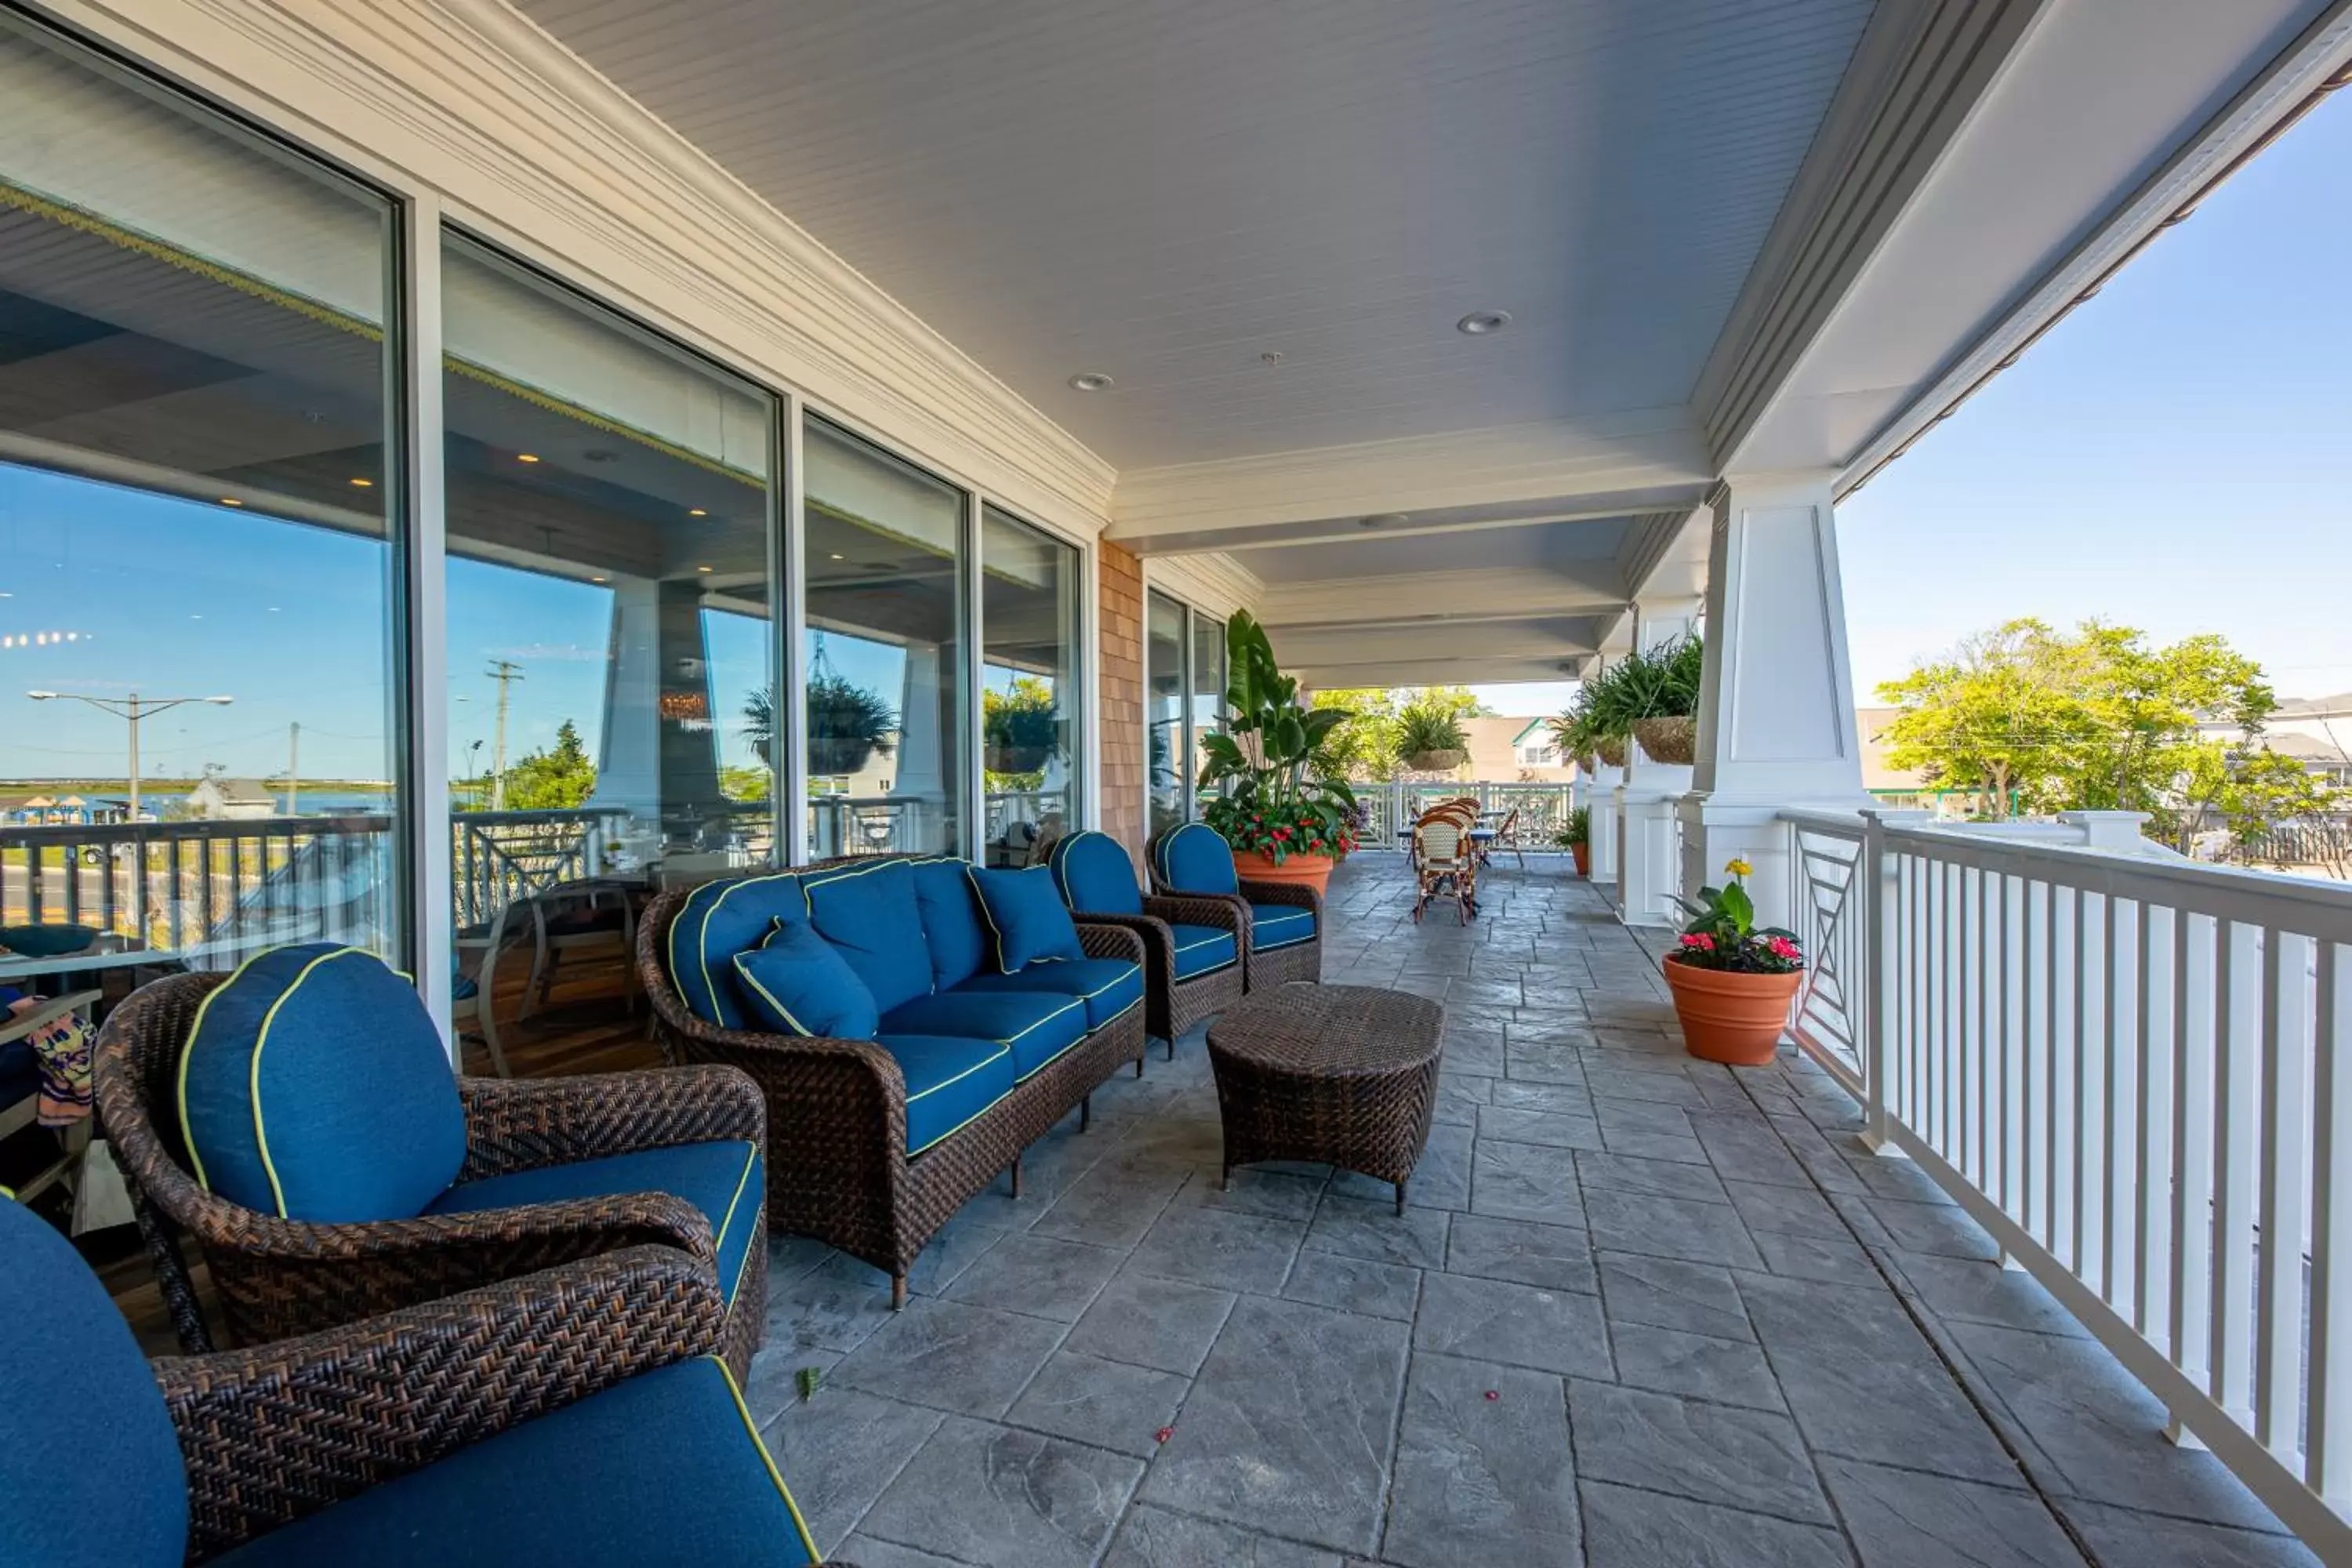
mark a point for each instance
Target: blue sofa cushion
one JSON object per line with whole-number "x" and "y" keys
{"x": 948, "y": 1082}
{"x": 314, "y": 1086}
{"x": 1199, "y": 949}
{"x": 1027, "y": 918}
{"x": 1279, "y": 925}
{"x": 726, "y": 1179}
{"x": 665, "y": 1467}
{"x": 870, "y": 914}
{"x": 91, "y": 1474}
{"x": 718, "y": 920}
{"x": 1192, "y": 860}
{"x": 796, "y": 982}
{"x": 953, "y": 926}
{"x": 1109, "y": 987}
{"x": 1095, "y": 876}
{"x": 1035, "y": 1026}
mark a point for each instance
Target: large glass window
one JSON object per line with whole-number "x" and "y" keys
{"x": 1030, "y": 743}
{"x": 1208, "y": 713}
{"x": 196, "y": 550}
{"x": 612, "y": 643}
{"x": 882, "y": 666}
{"x": 1166, "y": 747}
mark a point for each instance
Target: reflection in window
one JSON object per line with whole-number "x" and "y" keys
{"x": 609, "y": 600}
{"x": 1208, "y": 714}
{"x": 883, "y": 664}
{"x": 1030, "y": 745}
{"x": 1164, "y": 705}
{"x": 196, "y": 569}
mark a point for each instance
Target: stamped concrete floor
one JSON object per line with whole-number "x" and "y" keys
{"x": 1644, "y": 1312}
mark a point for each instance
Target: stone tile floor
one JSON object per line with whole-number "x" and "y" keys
{"x": 1644, "y": 1313}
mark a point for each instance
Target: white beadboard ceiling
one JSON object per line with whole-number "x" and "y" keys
{"x": 1165, "y": 190}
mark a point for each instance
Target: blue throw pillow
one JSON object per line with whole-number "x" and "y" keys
{"x": 718, "y": 920}
{"x": 796, "y": 982}
{"x": 1025, "y": 913}
{"x": 314, "y": 1086}
{"x": 870, "y": 916}
{"x": 951, "y": 923}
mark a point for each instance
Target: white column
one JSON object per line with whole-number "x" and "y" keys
{"x": 629, "y": 764}
{"x": 920, "y": 781}
{"x": 1600, "y": 793}
{"x": 1648, "y": 872}
{"x": 1776, "y": 715}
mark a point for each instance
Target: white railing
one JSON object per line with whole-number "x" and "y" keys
{"x": 1386, "y": 811}
{"x": 2128, "y": 1068}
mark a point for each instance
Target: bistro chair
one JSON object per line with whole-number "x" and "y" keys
{"x": 575, "y": 1415}
{"x": 1192, "y": 946}
{"x": 1447, "y": 867}
{"x": 351, "y": 1173}
{"x": 1285, "y": 938}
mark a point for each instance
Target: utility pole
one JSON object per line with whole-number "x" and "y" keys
{"x": 506, "y": 672}
{"x": 294, "y": 768}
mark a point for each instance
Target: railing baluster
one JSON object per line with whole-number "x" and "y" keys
{"x": 2327, "y": 1461}
{"x": 2237, "y": 1031}
{"x": 2192, "y": 1150}
{"x": 2284, "y": 1174}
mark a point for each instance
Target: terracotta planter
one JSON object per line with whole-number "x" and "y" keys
{"x": 1583, "y": 853}
{"x": 1674, "y": 741}
{"x": 1728, "y": 1016}
{"x": 1313, "y": 870}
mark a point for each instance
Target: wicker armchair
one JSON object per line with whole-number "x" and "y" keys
{"x": 1095, "y": 890}
{"x": 1269, "y": 960}
{"x": 278, "y": 1277}
{"x": 838, "y": 1169}
{"x": 487, "y": 1415}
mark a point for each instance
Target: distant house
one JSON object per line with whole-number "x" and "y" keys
{"x": 1904, "y": 789}
{"x": 1514, "y": 750}
{"x": 217, "y": 799}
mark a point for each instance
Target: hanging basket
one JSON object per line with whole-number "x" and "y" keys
{"x": 831, "y": 756}
{"x": 1015, "y": 759}
{"x": 1673, "y": 741}
{"x": 1434, "y": 762}
{"x": 1613, "y": 751}
{"x": 1585, "y": 763}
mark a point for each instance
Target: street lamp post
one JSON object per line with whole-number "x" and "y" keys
{"x": 132, "y": 708}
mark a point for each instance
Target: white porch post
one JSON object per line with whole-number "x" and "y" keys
{"x": 1648, "y": 876}
{"x": 1776, "y": 712}
{"x": 1600, "y": 791}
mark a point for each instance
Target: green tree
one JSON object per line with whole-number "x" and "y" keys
{"x": 558, "y": 778}
{"x": 1990, "y": 718}
{"x": 2251, "y": 790}
{"x": 1362, "y": 747}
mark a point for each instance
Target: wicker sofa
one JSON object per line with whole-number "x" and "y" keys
{"x": 578, "y": 1414}
{"x": 1283, "y": 937}
{"x": 879, "y": 1136}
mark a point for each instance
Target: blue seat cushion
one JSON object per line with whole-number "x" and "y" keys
{"x": 798, "y": 983}
{"x": 869, "y": 913}
{"x": 1035, "y": 1026}
{"x": 1199, "y": 949}
{"x": 20, "y": 1073}
{"x": 726, "y": 1179}
{"x": 665, "y": 1467}
{"x": 1027, "y": 918}
{"x": 314, "y": 1086}
{"x": 1093, "y": 874}
{"x": 1192, "y": 860}
{"x": 1279, "y": 925}
{"x": 1109, "y": 987}
{"x": 718, "y": 920}
{"x": 948, "y": 1082}
{"x": 952, "y": 927}
{"x": 91, "y": 1474}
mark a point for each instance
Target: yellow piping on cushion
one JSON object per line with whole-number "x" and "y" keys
{"x": 748, "y": 978}
{"x": 261, "y": 1040}
{"x": 1003, "y": 1050}
{"x": 702, "y": 936}
{"x": 750, "y": 1153}
{"x": 808, "y": 1542}
{"x": 195, "y": 1031}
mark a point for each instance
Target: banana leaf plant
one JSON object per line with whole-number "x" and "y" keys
{"x": 1268, "y": 798}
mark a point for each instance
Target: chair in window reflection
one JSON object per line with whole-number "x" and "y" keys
{"x": 597, "y": 915}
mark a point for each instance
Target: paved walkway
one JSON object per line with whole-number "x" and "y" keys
{"x": 1644, "y": 1313}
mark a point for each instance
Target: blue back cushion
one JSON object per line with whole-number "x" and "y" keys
{"x": 797, "y": 983}
{"x": 314, "y": 1086}
{"x": 718, "y": 920}
{"x": 89, "y": 1466}
{"x": 1026, "y": 916}
{"x": 1193, "y": 859}
{"x": 951, "y": 923}
{"x": 1095, "y": 876}
{"x": 869, "y": 913}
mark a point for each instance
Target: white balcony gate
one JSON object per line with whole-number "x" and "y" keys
{"x": 2128, "y": 1070}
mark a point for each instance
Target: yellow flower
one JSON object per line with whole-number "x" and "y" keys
{"x": 1740, "y": 868}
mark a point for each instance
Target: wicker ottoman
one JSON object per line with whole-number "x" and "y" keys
{"x": 1345, "y": 1075}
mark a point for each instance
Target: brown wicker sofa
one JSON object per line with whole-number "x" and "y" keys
{"x": 839, "y": 1167}
{"x": 276, "y": 1277}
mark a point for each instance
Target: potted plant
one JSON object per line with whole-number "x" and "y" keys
{"x": 1575, "y": 836}
{"x": 1651, "y": 697}
{"x": 1020, "y": 730}
{"x": 1429, "y": 738}
{"x": 1281, "y": 819}
{"x": 1733, "y": 983}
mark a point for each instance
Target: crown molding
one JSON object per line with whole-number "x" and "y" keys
{"x": 523, "y": 142}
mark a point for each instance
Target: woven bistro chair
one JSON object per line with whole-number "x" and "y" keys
{"x": 1194, "y": 946}
{"x": 1284, "y": 937}
{"x": 1448, "y": 867}
{"x": 574, "y": 1414}
{"x": 276, "y": 1277}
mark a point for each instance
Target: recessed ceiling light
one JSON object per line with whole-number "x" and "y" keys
{"x": 702, "y": 569}
{"x": 364, "y": 484}
{"x": 696, "y": 512}
{"x": 838, "y": 555}
{"x": 1478, "y": 323}
{"x": 1381, "y": 519}
{"x": 526, "y": 457}
{"x": 231, "y": 500}
{"x": 596, "y": 579}
{"x": 1091, "y": 381}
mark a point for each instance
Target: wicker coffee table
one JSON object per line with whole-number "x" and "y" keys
{"x": 1345, "y": 1075}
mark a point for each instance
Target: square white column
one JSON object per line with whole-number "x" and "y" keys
{"x": 1649, "y": 873}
